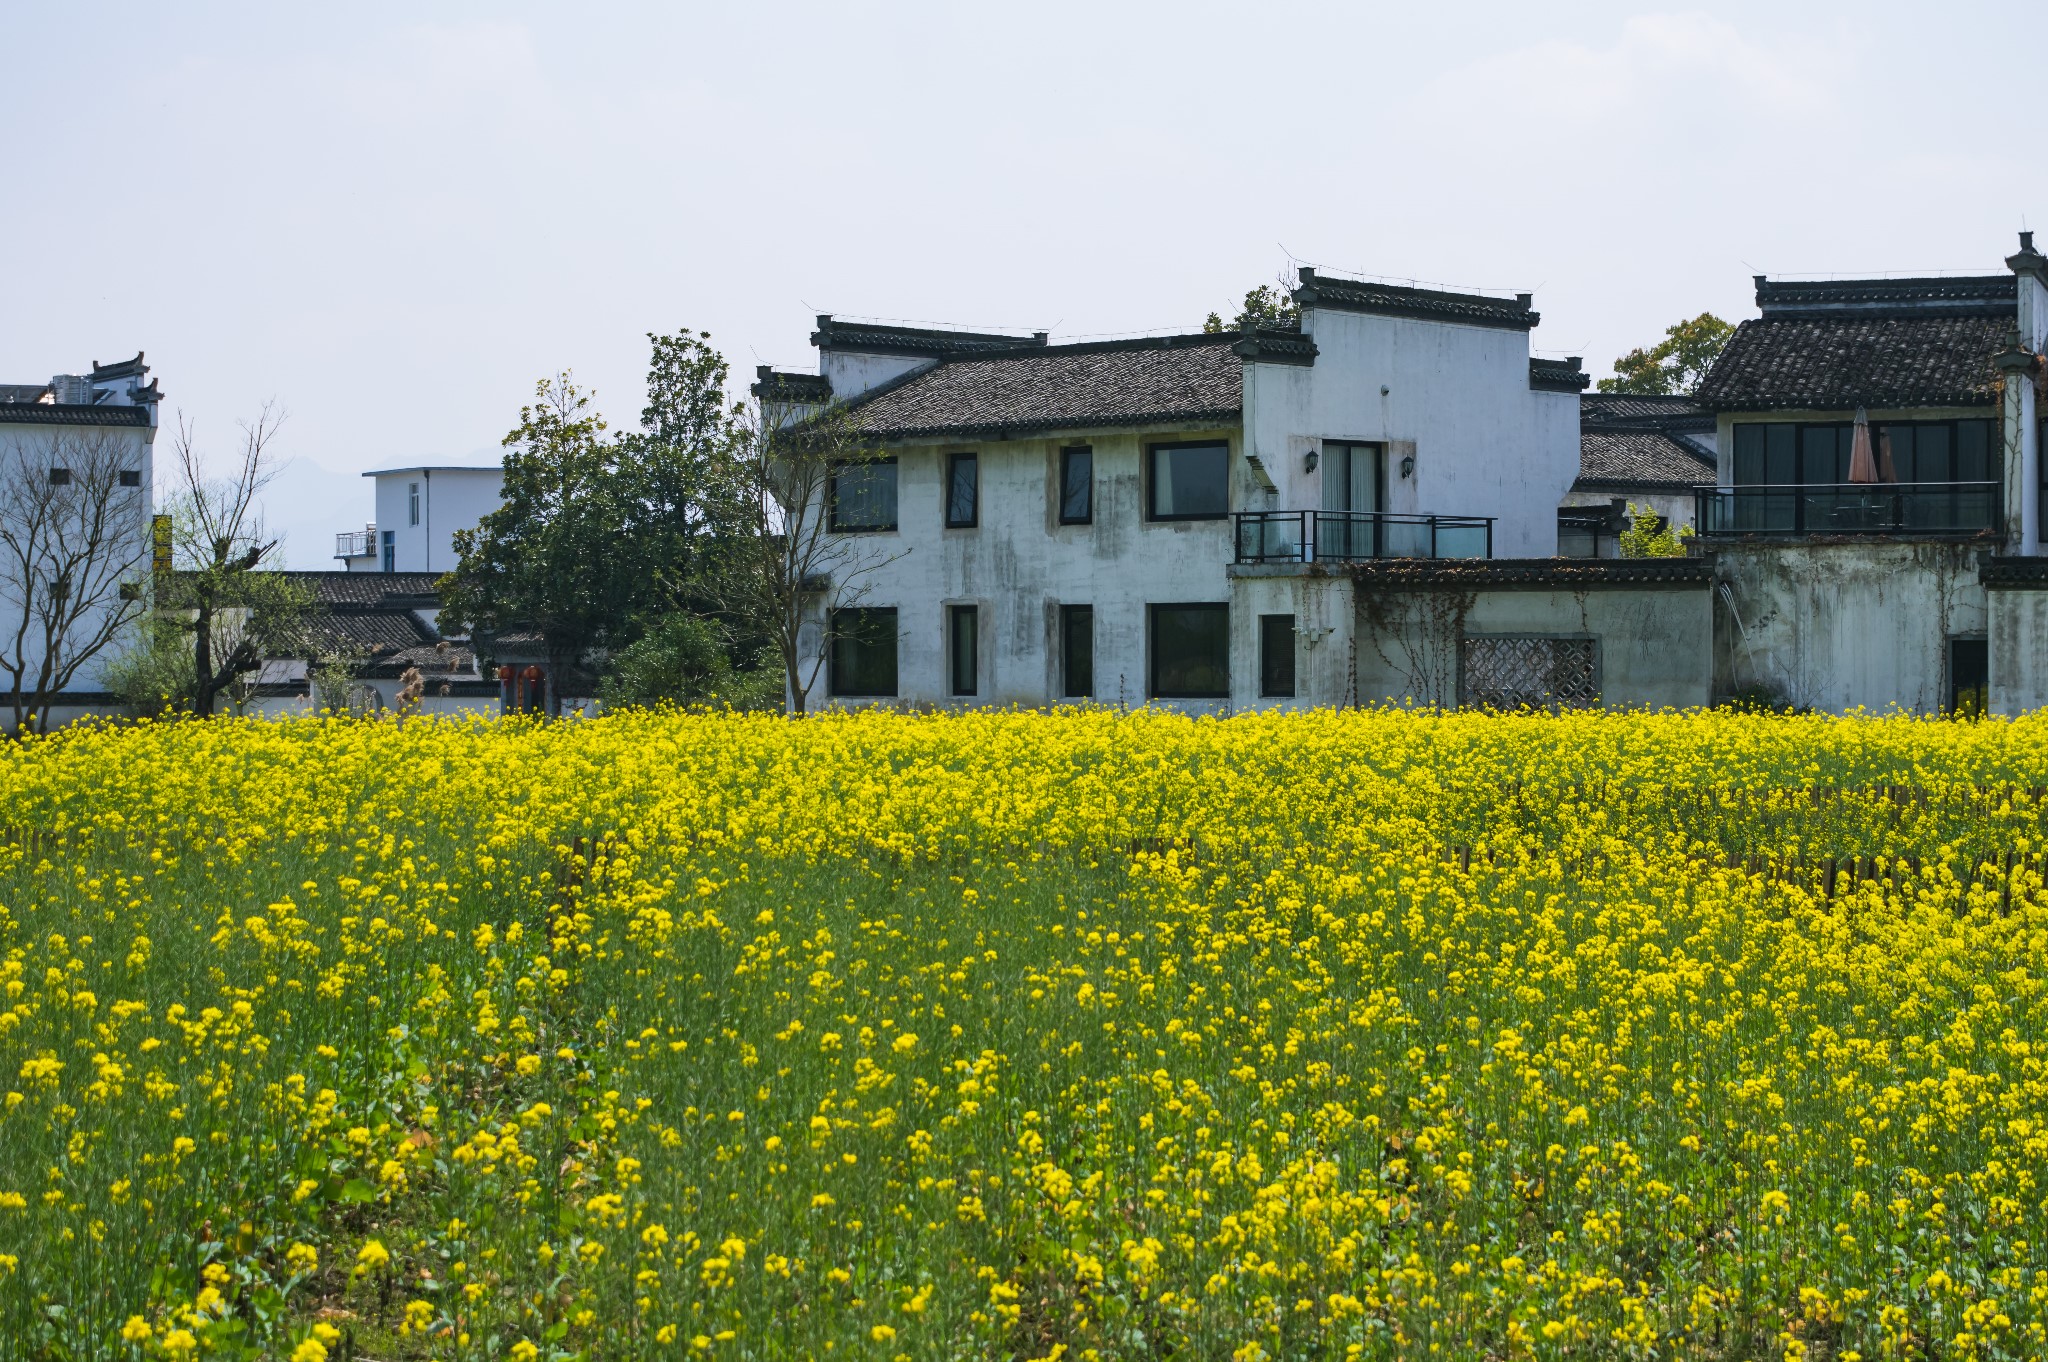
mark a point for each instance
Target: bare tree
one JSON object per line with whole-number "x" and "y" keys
{"x": 788, "y": 571}
{"x": 235, "y": 612}
{"x": 74, "y": 549}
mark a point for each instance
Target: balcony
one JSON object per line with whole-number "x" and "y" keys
{"x": 1359, "y": 536}
{"x": 355, "y": 544}
{"x": 1937, "y": 509}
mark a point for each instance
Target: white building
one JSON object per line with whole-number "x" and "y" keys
{"x": 75, "y": 482}
{"x": 1172, "y": 518}
{"x": 418, "y": 510}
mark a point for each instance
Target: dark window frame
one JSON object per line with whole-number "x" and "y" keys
{"x": 131, "y": 477}
{"x": 1152, "y": 452}
{"x": 1070, "y": 617}
{"x": 1069, "y": 455}
{"x": 971, "y": 461}
{"x": 412, "y": 503}
{"x": 1272, "y": 686}
{"x": 1798, "y": 441}
{"x": 1153, "y": 613}
{"x": 970, "y": 613}
{"x": 60, "y": 477}
{"x": 390, "y": 550}
{"x": 832, "y": 521}
{"x": 836, "y": 633}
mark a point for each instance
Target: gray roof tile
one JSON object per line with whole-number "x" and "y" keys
{"x": 1852, "y": 358}
{"x": 1621, "y": 460}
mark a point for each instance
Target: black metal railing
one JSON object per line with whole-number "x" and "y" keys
{"x": 1935, "y": 508}
{"x": 1356, "y": 536}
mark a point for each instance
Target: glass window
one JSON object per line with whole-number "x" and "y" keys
{"x": 1781, "y": 454}
{"x": 961, "y": 643}
{"x": 60, "y": 477}
{"x": 1900, "y": 438}
{"x": 1749, "y": 454}
{"x": 1351, "y": 476}
{"x": 1823, "y": 453}
{"x": 1190, "y": 651}
{"x": 963, "y": 491}
{"x": 131, "y": 477}
{"x": 863, "y": 496}
{"x": 412, "y": 497}
{"x": 863, "y": 651}
{"x": 1077, "y": 485}
{"x": 1973, "y": 451}
{"x": 1077, "y": 651}
{"x": 391, "y": 550}
{"x": 1190, "y": 482}
{"x": 1276, "y": 654}
{"x": 1933, "y": 453}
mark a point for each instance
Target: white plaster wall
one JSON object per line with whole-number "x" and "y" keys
{"x": 1456, "y": 397}
{"x": 1841, "y": 626}
{"x": 451, "y": 499}
{"x": 853, "y": 374}
{"x": 1325, "y": 623}
{"x": 2018, "y": 633}
{"x": 29, "y": 451}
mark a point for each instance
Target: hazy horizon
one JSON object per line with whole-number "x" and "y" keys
{"x": 393, "y": 225}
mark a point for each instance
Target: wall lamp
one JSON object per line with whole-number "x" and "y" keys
{"x": 1407, "y": 465}
{"x": 1311, "y": 461}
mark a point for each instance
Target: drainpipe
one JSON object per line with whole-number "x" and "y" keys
{"x": 427, "y": 477}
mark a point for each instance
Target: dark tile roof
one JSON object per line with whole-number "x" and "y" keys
{"x": 788, "y": 387}
{"x": 1849, "y": 359}
{"x": 1065, "y": 387}
{"x": 868, "y": 338}
{"x": 376, "y": 633}
{"x": 1435, "y": 305}
{"x": 1559, "y": 375}
{"x": 390, "y": 590}
{"x": 1634, "y": 409}
{"x": 1628, "y": 460}
{"x": 2027, "y": 574}
{"x": 70, "y": 414}
{"x": 1532, "y": 574}
{"x": 127, "y": 368}
{"x": 1982, "y": 295}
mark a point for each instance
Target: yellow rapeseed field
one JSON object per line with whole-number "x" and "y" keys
{"x": 1356, "y": 1034}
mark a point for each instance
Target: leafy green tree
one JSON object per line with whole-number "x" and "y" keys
{"x": 1265, "y": 305}
{"x": 1674, "y": 365}
{"x": 553, "y": 557}
{"x": 1649, "y": 535}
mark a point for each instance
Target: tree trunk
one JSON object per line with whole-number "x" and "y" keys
{"x": 202, "y": 661}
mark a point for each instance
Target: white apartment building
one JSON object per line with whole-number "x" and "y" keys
{"x": 419, "y": 507}
{"x": 1176, "y": 518}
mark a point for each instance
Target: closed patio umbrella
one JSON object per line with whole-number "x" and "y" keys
{"x": 1862, "y": 467}
{"x": 1887, "y": 471}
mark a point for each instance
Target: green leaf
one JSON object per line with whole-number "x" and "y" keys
{"x": 355, "y": 1189}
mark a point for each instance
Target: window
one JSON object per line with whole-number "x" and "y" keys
{"x": 1969, "y": 676}
{"x": 863, "y": 651}
{"x": 1517, "y": 672}
{"x": 1353, "y": 479}
{"x": 963, "y": 491}
{"x": 1190, "y": 481}
{"x": 863, "y": 496}
{"x": 1077, "y": 651}
{"x": 391, "y": 550}
{"x": 1190, "y": 651}
{"x": 131, "y": 477}
{"x": 1777, "y": 453}
{"x": 60, "y": 477}
{"x": 1077, "y": 485}
{"x": 1276, "y": 655}
{"x": 412, "y": 503}
{"x": 963, "y": 633}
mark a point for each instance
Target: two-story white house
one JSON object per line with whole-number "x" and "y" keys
{"x": 1173, "y": 518}
{"x": 419, "y": 508}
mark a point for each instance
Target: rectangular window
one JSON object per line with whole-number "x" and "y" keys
{"x": 1190, "y": 647}
{"x": 131, "y": 477}
{"x": 60, "y": 477}
{"x": 412, "y": 499}
{"x": 1353, "y": 479}
{"x": 963, "y": 632}
{"x": 1190, "y": 481}
{"x": 391, "y": 550}
{"x": 1077, "y": 651}
{"x": 1077, "y": 485}
{"x": 1785, "y": 454}
{"x": 963, "y": 491}
{"x": 1276, "y": 655}
{"x": 863, "y": 651}
{"x": 862, "y": 496}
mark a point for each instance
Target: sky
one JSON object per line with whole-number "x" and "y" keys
{"x": 391, "y": 221}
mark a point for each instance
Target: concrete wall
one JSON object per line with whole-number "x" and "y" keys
{"x": 1325, "y": 626}
{"x": 1655, "y": 643}
{"x": 853, "y": 374}
{"x": 1836, "y": 626}
{"x": 451, "y": 499}
{"x": 2018, "y": 632}
{"x": 1456, "y": 397}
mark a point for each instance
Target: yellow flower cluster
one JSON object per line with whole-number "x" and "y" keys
{"x": 1089, "y": 1035}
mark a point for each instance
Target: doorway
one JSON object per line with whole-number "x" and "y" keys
{"x": 1969, "y": 677}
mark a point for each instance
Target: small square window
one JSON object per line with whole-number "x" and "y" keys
{"x": 963, "y": 491}
{"x": 1190, "y": 651}
{"x": 962, "y": 645}
{"x": 1190, "y": 481}
{"x": 862, "y": 496}
{"x": 1077, "y": 485}
{"x": 1276, "y": 655}
{"x": 131, "y": 477}
{"x": 863, "y": 652}
{"x": 131, "y": 591}
{"x": 60, "y": 477}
